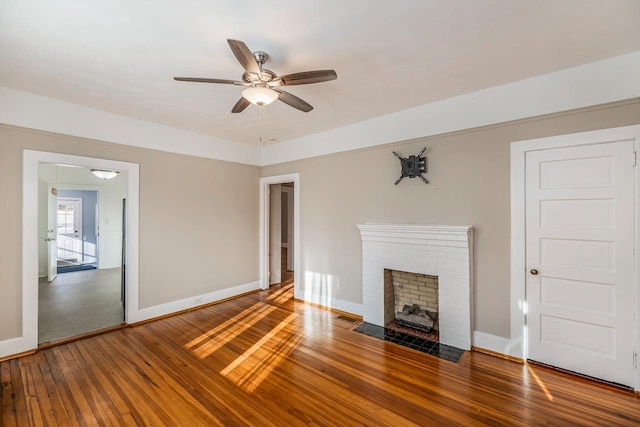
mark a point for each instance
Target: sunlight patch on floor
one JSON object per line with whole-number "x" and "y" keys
{"x": 540, "y": 383}
{"x": 212, "y": 340}
{"x": 282, "y": 295}
{"x": 250, "y": 368}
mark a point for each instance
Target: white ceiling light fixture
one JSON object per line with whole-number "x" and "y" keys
{"x": 104, "y": 174}
{"x": 260, "y": 95}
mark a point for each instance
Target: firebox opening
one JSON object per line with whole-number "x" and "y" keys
{"x": 411, "y": 303}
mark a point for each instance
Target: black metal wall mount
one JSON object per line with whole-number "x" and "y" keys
{"x": 413, "y": 166}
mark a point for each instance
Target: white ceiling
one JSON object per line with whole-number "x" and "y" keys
{"x": 119, "y": 56}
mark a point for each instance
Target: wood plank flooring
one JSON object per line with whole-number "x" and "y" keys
{"x": 266, "y": 360}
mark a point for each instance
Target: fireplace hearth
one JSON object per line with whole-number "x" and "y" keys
{"x": 411, "y": 341}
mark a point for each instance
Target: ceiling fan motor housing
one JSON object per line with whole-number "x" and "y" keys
{"x": 267, "y": 76}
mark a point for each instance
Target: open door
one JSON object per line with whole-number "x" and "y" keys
{"x": 275, "y": 234}
{"x": 288, "y": 193}
{"x": 52, "y": 232}
{"x": 123, "y": 272}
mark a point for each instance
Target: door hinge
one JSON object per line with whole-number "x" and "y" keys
{"x": 634, "y": 159}
{"x": 635, "y": 359}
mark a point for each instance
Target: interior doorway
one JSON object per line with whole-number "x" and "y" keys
{"x": 80, "y": 225}
{"x": 279, "y": 231}
{"x": 31, "y": 247}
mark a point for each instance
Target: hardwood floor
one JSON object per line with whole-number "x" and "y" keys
{"x": 266, "y": 360}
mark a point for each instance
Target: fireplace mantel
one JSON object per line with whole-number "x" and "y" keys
{"x": 445, "y": 251}
{"x": 415, "y": 229}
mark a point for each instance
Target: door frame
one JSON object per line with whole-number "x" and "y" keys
{"x": 264, "y": 229}
{"x": 519, "y": 149}
{"x": 31, "y": 159}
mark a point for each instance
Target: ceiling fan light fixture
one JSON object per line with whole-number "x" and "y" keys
{"x": 104, "y": 174}
{"x": 260, "y": 95}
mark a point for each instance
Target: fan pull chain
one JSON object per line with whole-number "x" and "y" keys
{"x": 260, "y": 138}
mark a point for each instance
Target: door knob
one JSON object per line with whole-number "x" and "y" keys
{"x": 534, "y": 272}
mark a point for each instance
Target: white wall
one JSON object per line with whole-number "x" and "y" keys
{"x": 110, "y": 195}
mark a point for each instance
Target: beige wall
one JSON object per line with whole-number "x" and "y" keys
{"x": 198, "y": 220}
{"x": 199, "y": 217}
{"x": 469, "y": 174}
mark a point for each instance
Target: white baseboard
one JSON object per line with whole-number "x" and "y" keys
{"x": 191, "y": 302}
{"x": 496, "y": 344}
{"x": 14, "y": 346}
{"x": 335, "y": 303}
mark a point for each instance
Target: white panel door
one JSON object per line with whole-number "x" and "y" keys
{"x": 52, "y": 226}
{"x": 580, "y": 249}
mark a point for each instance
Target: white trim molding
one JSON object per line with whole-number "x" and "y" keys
{"x": 193, "y": 302}
{"x": 491, "y": 342}
{"x": 308, "y": 295}
{"x": 264, "y": 229}
{"x": 517, "y": 346}
{"x": 51, "y": 115}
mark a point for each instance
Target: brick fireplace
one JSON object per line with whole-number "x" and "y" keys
{"x": 432, "y": 250}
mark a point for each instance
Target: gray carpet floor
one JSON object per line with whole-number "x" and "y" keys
{"x": 79, "y": 302}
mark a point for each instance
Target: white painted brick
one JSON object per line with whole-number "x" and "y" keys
{"x": 441, "y": 251}
{"x": 457, "y": 243}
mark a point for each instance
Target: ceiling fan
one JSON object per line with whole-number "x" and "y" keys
{"x": 262, "y": 84}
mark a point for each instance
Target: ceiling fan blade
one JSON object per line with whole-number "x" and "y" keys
{"x": 244, "y": 56}
{"x": 307, "y": 77}
{"x": 203, "y": 80}
{"x": 293, "y": 101}
{"x": 240, "y": 106}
